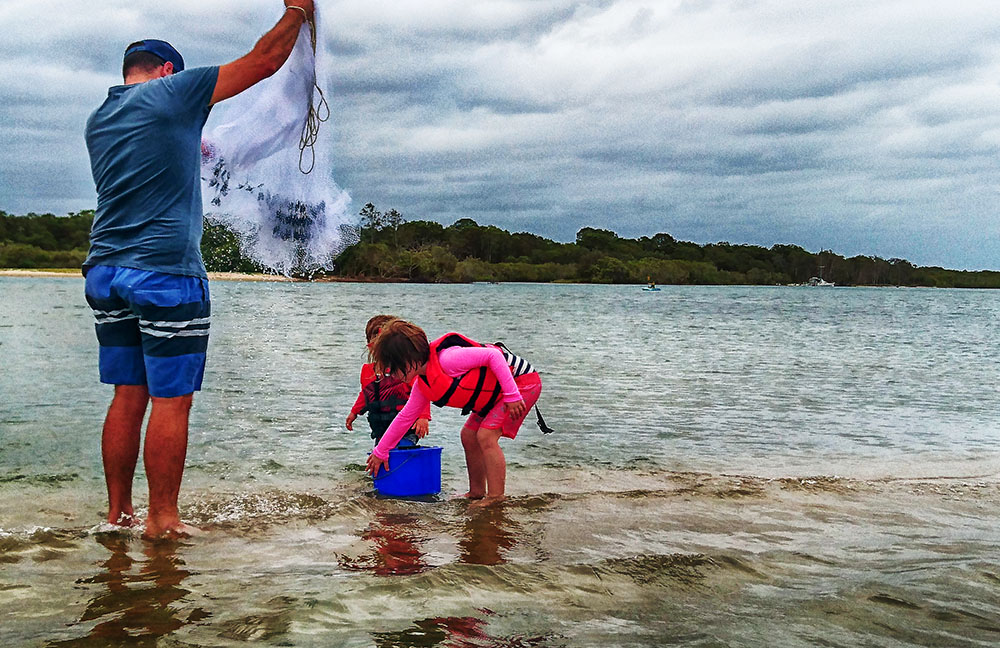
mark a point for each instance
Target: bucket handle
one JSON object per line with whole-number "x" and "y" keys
{"x": 386, "y": 471}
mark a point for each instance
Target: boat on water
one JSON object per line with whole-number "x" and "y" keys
{"x": 650, "y": 289}
{"x": 819, "y": 282}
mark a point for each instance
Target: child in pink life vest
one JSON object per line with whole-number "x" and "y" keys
{"x": 382, "y": 396}
{"x": 493, "y": 386}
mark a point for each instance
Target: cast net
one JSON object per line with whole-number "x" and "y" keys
{"x": 267, "y": 169}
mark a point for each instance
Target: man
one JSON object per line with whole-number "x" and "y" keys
{"x": 145, "y": 277}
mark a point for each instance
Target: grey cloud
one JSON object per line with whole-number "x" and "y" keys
{"x": 866, "y": 128}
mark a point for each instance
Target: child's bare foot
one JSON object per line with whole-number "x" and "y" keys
{"x": 472, "y": 496}
{"x": 169, "y": 531}
{"x": 489, "y": 500}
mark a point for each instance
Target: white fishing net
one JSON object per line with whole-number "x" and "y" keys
{"x": 267, "y": 171}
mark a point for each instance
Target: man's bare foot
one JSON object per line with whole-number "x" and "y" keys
{"x": 489, "y": 500}
{"x": 170, "y": 531}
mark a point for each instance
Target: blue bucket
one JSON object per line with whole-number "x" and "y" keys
{"x": 412, "y": 472}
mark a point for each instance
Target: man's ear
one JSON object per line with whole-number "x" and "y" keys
{"x": 167, "y": 69}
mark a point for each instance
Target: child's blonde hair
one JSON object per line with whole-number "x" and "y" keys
{"x": 399, "y": 346}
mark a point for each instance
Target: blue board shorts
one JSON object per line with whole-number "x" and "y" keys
{"x": 152, "y": 328}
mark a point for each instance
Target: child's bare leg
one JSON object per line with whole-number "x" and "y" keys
{"x": 495, "y": 464}
{"x": 474, "y": 462}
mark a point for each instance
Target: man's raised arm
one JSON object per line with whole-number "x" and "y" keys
{"x": 267, "y": 56}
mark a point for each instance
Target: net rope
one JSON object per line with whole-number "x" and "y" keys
{"x": 310, "y": 129}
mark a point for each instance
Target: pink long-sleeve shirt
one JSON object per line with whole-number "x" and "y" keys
{"x": 454, "y": 362}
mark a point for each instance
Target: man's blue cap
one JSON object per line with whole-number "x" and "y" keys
{"x": 160, "y": 48}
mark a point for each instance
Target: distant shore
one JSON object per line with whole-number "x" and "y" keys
{"x": 71, "y": 273}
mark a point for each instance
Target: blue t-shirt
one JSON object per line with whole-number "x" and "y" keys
{"x": 145, "y": 153}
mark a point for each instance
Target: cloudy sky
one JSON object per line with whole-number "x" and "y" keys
{"x": 865, "y": 127}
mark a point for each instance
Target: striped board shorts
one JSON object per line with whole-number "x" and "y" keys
{"x": 152, "y": 328}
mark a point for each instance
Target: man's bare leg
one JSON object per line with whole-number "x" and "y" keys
{"x": 120, "y": 449}
{"x": 163, "y": 457}
{"x": 474, "y": 463}
{"x": 495, "y": 464}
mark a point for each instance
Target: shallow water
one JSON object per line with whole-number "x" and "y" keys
{"x": 732, "y": 467}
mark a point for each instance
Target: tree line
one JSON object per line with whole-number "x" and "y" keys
{"x": 44, "y": 240}
{"x": 392, "y": 248}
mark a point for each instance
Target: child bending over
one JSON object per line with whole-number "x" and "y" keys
{"x": 492, "y": 385}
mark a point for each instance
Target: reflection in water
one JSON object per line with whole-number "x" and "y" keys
{"x": 397, "y": 550}
{"x": 447, "y": 632}
{"x": 455, "y": 632}
{"x": 488, "y": 533}
{"x": 139, "y": 605}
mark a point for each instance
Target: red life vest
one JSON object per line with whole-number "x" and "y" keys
{"x": 474, "y": 391}
{"x": 367, "y": 373}
{"x": 384, "y": 396}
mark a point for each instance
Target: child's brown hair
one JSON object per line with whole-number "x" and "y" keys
{"x": 399, "y": 346}
{"x": 375, "y": 323}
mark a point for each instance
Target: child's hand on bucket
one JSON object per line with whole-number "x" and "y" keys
{"x": 421, "y": 427}
{"x": 374, "y": 463}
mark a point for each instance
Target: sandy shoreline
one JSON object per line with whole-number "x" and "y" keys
{"x": 213, "y": 276}
{"x": 74, "y": 273}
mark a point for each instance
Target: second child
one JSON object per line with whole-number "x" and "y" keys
{"x": 383, "y": 396}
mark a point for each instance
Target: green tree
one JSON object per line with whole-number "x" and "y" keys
{"x": 432, "y": 263}
{"x": 415, "y": 234}
{"x": 371, "y": 218}
{"x": 393, "y": 219}
{"x": 221, "y": 250}
{"x": 472, "y": 269}
{"x": 610, "y": 270}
